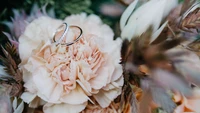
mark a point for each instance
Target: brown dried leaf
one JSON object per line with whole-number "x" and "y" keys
{"x": 145, "y": 39}
{"x": 16, "y": 89}
{"x": 172, "y": 30}
{"x": 144, "y": 105}
{"x": 146, "y": 99}
{"x": 128, "y": 100}
{"x": 139, "y": 45}
{"x": 11, "y": 60}
{"x": 162, "y": 37}
{"x": 7, "y": 80}
{"x": 169, "y": 44}
{"x": 125, "y": 50}
{"x": 8, "y": 62}
{"x": 191, "y": 21}
{"x": 12, "y": 50}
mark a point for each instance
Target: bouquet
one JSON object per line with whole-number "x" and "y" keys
{"x": 147, "y": 63}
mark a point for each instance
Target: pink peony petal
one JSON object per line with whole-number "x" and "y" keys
{"x": 48, "y": 90}
{"x": 104, "y": 98}
{"x": 101, "y": 79}
{"x": 76, "y": 96}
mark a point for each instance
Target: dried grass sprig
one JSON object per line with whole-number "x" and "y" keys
{"x": 143, "y": 53}
{"x": 191, "y": 21}
{"x": 11, "y": 60}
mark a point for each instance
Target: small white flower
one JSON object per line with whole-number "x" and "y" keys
{"x": 149, "y": 14}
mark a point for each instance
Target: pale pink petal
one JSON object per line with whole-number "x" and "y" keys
{"x": 33, "y": 64}
{"x": 117, "y": 73}
{"x": 116, "y": 84}
{"x": 25, "y": 48}
{"x": 48, "y": 90}
{"x": 76, "y": 96}
{"x": 30, "y": 86}
{"x": 29, "y": 97}
{"x": 85, "y": 86}
{"x": 35, "y": 32}
{"x": 101, "y": 79}
{"x": 104, "y": 98}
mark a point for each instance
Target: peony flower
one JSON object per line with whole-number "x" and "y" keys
{"x": 65, "y": 77}
{"x": 149, "y": 14}
{"x": 186, "y": 105}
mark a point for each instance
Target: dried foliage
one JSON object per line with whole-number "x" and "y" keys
{"x": 128, "y": 102}
{"x": 165, "y": 65}
{"x": 191, "y": 21}
{"x": 154, "y": 65}
{"x": 185, "y": 17}
{"x": 183, "y": 23}
{"x": 11, "y": 61}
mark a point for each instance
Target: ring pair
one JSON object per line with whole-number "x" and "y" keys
{"x": 63, "y": 29}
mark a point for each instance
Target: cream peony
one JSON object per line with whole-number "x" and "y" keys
{"x": 64, "y": 78}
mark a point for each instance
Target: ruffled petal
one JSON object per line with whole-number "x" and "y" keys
{"x": 101, "y": 79}
{"x": 104, "y": 98}
{"x": 76, "y": 96}
{"x": 47, "y": 88}
{"x": 28, "y": 97}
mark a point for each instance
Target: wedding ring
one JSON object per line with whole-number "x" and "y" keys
{"x": 65, "y": 28}
{"x": 60, "y": 28}
{"x": 77, "y": 39}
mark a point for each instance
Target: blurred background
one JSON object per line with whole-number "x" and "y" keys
{"x": 109, "y": 10}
